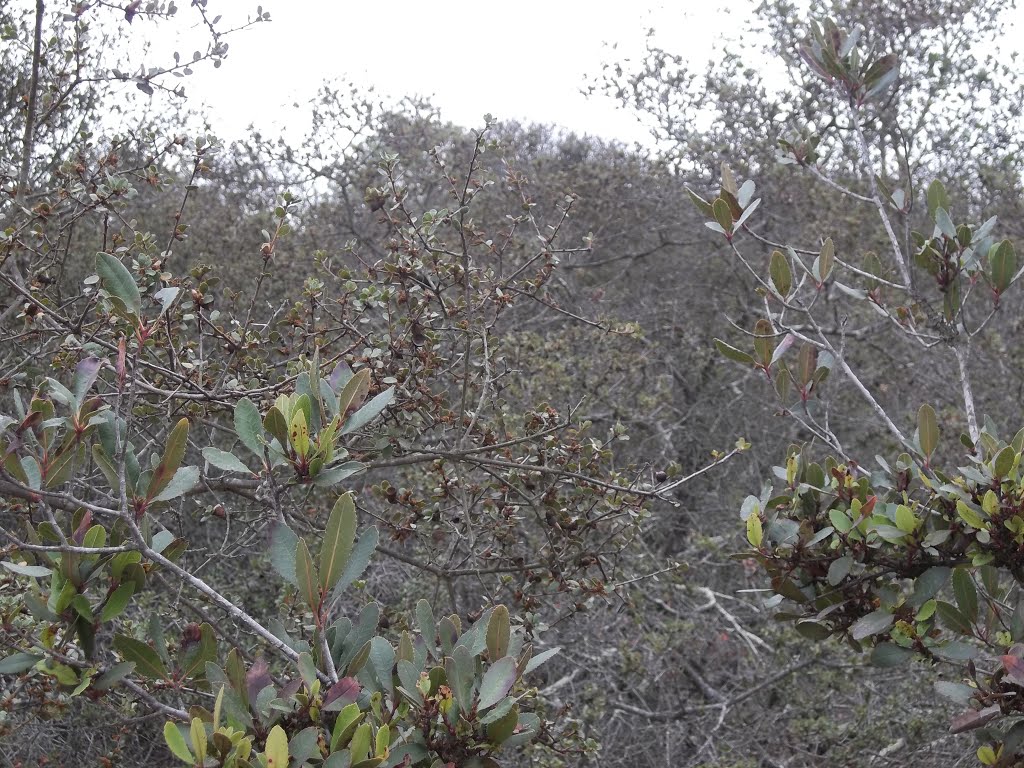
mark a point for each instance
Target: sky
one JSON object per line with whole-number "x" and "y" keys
{"x": 525, "y": 60}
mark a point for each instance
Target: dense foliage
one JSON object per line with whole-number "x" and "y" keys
{"x": 413, "y": 445}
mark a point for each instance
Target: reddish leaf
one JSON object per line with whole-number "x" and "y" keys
{"x": 1014, "y": 667}
{"x": 972, "y": 719}
{"x": 346, "y": 689}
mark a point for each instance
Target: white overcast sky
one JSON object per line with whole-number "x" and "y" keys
{"x": 524, "y": 60}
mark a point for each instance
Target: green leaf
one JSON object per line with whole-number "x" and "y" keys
{"x": 117, "y": 601}
{"x": 952, "y": 618}
{"x": 937, "y": 198}
{"x": 306, "y": 576}
{"x": 966, "y": 594}
{"x": 428, "y": 627}
{"x": 174, "y": 452}
{"x": 723, "y": 214}
{"x": 353, "y": 393}
{"x": 277, "y": 748}
{"x": 498, "y": 633}
{"x": 871, "y": 624}
{"x": 339, "y": 535}
{"x": 359, "y": 559}
{"x": 755, "y": 531}
{"x": 85, "y": 376}
{"x": 825, "y": 261}
{"x": 887, "y": 655}
{"x": 118, "y": 282}
{"x": 147, "y": 662}
{"x": 225, "y": 461}
{"x": 1003, "y": 260}
{"x": 359, "y": 746}
{"x": 113, "y": 675}
{"x": 733, "y": 354}
{"x": 781, "y": 274}
{"x": 498, "y": 679}
{"x": 1002, "y": 465}
{"x": 248, "y": 425}
{"x": 276, "y": 423}
{"x": 702, "y": 205}
{"x": 184, "y": 480}
{"x": 298, "y": 433}
{"x": 283, "y": 542}
{"x": 176, "y": 743}
{"x": 334, "y": 475}
{"x": 17, "y": 663}
{"x": 945, "y": 223}
{"x": 36, "y": 571}
{"x": 370, "y": 411}
{"x": 540, "y": 658}
{"x": 927, "y": 430}
{"x": 500, "y": 730}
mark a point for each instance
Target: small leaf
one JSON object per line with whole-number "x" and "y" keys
{"x": 937, "y": 198}
{"x": 927, "y": 430}
{"x": 118, "y": 282}
{"x": 339, "y": 535}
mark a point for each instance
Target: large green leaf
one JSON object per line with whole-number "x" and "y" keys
{"x": 306, "y": 576}
{"x": 283, "y": 542}
{"x": 118, "y": 282}
{"x": 353, "y": 393}
{"x": 147, "y": 662}
{"x": 339, "y": 535}
{"x": 248, "y": 425}
{"x": 359, "y": 559}
{"x": 17, "y": 663}
{"x": 225, "y": 461}
{"x": 277, "y": 748}
{"x": 498, "y": 633}
{"x": 498, "y": 679}
{"x": 370, "y": 411}
{"x": 927, "y": 430}
{"x": 184, "y": 480}
{"x": 176, "y": 743}
{"x": 1003, "y": 260}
